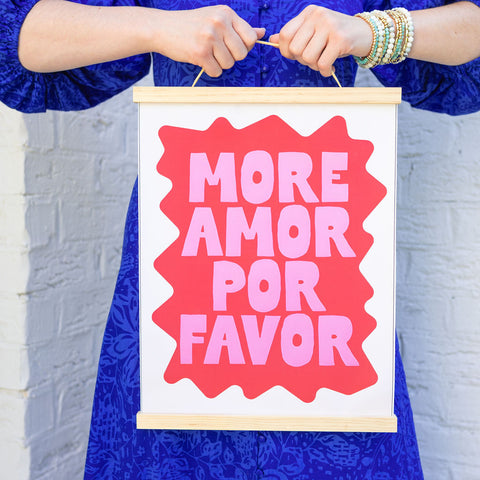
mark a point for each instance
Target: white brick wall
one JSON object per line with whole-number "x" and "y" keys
{"x": 439, "y": 286}
{"x": 65, "y": 179}
{"x": 14, "y": 273}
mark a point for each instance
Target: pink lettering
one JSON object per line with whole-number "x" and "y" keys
{"x": 259, "y": 344}
{"x": 301, "y": 278}
{"x": 264, "y": 285}
{"x": 333, "y": 162}
{"x": 334, "y": 332}
{"x": 189, "y": 325}
{"x": 257, "y": 177}
{"x": 228, "y": 277}
{"x": 297, "y": 339}
{"x": 224, "y": 334}
{"x": 293, "y": 231}
{"x": 294, "y": 168}
{"x": 331, "y": 223}
{"x": 224, "y": 174}
{"x": 261, "y": 228}
{"x": 202, "y": 225}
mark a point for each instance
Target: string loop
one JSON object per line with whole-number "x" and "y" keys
{"x": 262, "y": 42}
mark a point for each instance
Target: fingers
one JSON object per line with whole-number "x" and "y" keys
{"x": 260, "y": 32}
{"x": 209, "y": 52}
{"x": 275, "y": 38}
{"x": 301, "y": 45}
{"x": 231, "y": 40}
{"x": 246, "y": 34}
{"x": 325, "y": 62}
{"x": 317, "y": 37}
{"x": 237, "y": 42}
{"x": 294, "y": 31}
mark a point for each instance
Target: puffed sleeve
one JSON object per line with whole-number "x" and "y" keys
{"x": 75, "y": 89}
{"x": 440, "y": 88}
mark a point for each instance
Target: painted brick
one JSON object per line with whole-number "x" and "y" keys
{"x": 41, "y": 128}
{"x": 116, "y": 174}
{"x": 11, "y": 176}
{"x": 12, "y": 210}
{"x": 40, "y": 178}
{"x": 13, "y": 402}
{"x": 436, "y": 469}
{"x": 447, "y": 269}
{"x": 74, "y": 175}
{"x": 12, "y": 319}
{"x": 438, "y": 441}
{"x": 78, "y": 315}
{"x": 462, "y": 471}
{"x": 466, "y": 313}
{"x": 15, "y": 372}
{"x": 39, "y": 418}
{"x": 416, "y": 311}
{"x": 41, "y": 221}
{"x": 73, "y": 396}
{"x": 463, "y": 409}
{"x": 465, "y": 226}
{"x": 15, "y": 459}
{"x": 63, "y": 268}
{"x": 420, "y": 226}
{"x": 438, "y": 290}
{"x": 64, "y": 445}
{"x": 14, "y": 271}
{"x": 92, "y": 131}
{"x": 44, "y": 318}
{"x": 65, "y": 358}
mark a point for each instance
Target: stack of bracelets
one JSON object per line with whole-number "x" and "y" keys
{"x": 392, "y": 37}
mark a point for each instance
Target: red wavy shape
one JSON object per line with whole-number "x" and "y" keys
{"x": 341, "y": 287}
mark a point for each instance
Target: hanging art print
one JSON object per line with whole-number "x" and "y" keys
{"x": 267, "y": 258}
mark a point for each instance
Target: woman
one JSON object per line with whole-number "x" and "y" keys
{"x": 63, "y": 37}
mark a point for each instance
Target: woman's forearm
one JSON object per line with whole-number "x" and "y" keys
{"x": 449, "y": 35}
{"x": 60, "y": 35}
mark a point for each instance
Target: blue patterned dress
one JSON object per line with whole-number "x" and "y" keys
{"x": 117, "y": 450}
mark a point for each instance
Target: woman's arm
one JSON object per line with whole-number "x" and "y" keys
{"x": 60, "y": 35}
{"x": 448, "y": 35}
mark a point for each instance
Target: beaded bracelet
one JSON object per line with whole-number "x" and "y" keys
{"x": 400, "y": 28}
{"x": 378, "y": 40}
{"x": 389, "y": 35}
{"x": 392, "y": 32}
{"x": 405, "y": 20}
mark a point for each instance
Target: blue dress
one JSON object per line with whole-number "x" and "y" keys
{"x": 117, "y": 450}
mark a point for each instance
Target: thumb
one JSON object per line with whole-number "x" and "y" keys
{"x": 260, "y": 32}
{"x": 274, "y": 38}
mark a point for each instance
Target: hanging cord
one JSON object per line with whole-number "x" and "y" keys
{"x": 262, "y": 42}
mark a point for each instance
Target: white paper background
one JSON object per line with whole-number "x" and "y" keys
{"x": 376, "y": 123}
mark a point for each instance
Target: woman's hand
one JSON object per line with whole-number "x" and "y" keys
{"x": 318, "y": 36}
{"x": 213, "y": 38}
